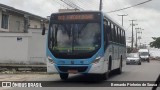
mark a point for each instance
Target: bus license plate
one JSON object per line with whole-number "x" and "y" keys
{"x": 72, "y": 71}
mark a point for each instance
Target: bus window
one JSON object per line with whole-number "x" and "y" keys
{"x": 120, "y": 36}
{"x": 112, "y": 32}
{"x": 105, "y": 35}
{"x": 109, "y": 31}
{"x": 124, "y": 38}
{"x": 116, "y": 35}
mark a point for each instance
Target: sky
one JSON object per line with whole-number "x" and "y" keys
{"x": 147, "y": 16}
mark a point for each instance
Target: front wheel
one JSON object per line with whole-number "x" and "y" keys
{"x": 64, "y": 76}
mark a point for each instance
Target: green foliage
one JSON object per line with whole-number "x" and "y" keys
{"x": 155, "y": 43}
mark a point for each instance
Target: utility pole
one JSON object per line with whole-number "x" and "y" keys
{"x": 140, "y": 36}
{"x": 100, "y": 5}
{"x": 137, "y": 36}
{"x": 132, "y": 33}
{"x": 122, "y": 17}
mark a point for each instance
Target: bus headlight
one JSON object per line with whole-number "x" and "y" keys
{"x": 97, "y": 60}
{"x": 50, "y": 60}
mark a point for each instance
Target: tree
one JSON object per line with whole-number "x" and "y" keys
{"x": 155, "y": 43}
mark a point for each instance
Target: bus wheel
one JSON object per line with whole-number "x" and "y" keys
{"x": 105, "y": 76}
{"x": 64, "y": 76}
{"x": 119, "y": 70}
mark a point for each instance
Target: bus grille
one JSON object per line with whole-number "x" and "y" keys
{"x": 66, "y": 68}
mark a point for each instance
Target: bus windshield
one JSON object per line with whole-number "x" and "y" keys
{"x": 74, "y": 40}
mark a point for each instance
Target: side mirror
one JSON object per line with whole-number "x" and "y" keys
{"x": 43, "y": 30}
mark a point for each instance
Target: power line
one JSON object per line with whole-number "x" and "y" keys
{"x": 129, "y": 6}
{"x": 71, "y": 4}
{"x": 92, "y": 3}
{"x": 59, "y": 4}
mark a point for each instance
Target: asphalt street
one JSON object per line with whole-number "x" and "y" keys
{"x": 145, "y": 72}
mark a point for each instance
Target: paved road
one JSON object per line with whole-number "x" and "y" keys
{"x": 145, "y": 72}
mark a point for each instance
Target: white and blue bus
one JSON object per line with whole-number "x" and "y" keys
{"x": 86, "y": 42}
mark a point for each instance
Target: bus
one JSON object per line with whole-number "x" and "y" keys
{"x": 85, "y": 42}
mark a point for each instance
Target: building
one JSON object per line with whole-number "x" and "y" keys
{"x": 21, "y": 41}
{"x": 18, "y": 21}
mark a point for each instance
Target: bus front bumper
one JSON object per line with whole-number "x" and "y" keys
{"x": 93, "y": 68}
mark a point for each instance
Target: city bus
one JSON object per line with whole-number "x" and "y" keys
{"x": 85, "y": 42}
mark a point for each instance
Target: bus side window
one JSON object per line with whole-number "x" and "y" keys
{"x": 105, "y": 34}
{"x": 118, "y": 35}
{"x": 124, "y": 38}
{"x": 121, "y": 36}
{"x": 109, "y": 31}
{"x": 112, "y": 31}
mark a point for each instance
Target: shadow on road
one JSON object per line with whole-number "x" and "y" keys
{"x": 87, "y": 80}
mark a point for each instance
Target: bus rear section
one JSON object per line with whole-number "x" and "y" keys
{"x": 76, "y": 45}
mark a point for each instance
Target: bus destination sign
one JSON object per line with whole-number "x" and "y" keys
{"x": 76, "y": 17}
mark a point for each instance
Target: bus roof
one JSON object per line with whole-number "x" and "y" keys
{"x": 113, "y": 21}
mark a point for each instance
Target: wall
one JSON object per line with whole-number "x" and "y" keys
{"x": 14, "y": 48}
{"x": 37, "y": 46}
{"x": 26, "y": 48}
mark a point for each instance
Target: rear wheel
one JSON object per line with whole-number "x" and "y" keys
{"x": 119, "y": 70}
{"x": 64, "y": 76}
{"x": 105, "y": 76}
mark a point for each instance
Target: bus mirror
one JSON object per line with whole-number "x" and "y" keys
{"x": 43, "y": 30}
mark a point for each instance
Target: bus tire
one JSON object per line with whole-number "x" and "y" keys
{"x": 105, "y": 76}
{"x": 119, "y": 70}
{"x": 64, "y": 76}
{"x": 110, "y": 63}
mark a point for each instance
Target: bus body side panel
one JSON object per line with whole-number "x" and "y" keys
{"x": 51, "y": 67}
{"x": 119, "y": 51}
